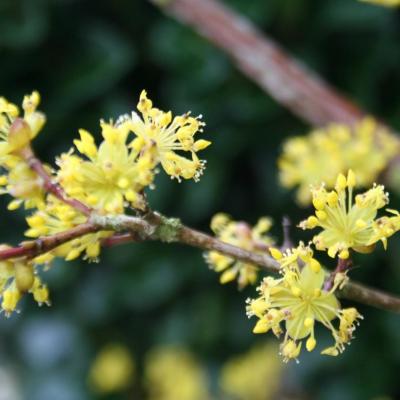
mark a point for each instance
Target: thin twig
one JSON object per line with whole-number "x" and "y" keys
{"x": 352, "y": 290}
{"x": 157, "y": 227}
{"x": 33, "y": 248}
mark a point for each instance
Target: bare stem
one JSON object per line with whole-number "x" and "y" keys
{"x": 155, "y": 226}
{"x": 33, "y": 248}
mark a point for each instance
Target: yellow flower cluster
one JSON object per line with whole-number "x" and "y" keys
{"x": 386, "y": 3}
{"x": 293, "y": 303}
{"x": 242, "y": 235}
{"x": 114, "y": 175}
{"x": 16, "y": 133}
{"x": 113, "y": 369}
{"x": 157, "y": 129}
{"x": 320, "y": 156}
{"x": 106, "y": 178}
{"x": 162, "y": 367}
{"x": 18, "y": 277}
{"x": 347, "y": 225}
{"x": 254, "y": 375}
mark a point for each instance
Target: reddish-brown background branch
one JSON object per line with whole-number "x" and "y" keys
{"x": 287, "y": 80}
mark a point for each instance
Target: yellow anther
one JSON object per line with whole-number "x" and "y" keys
{"x": 311, "y": 343}
{"x": 341, "y": 182}
{"x": 321, "y": 215}
{"x": 318, "y": 203}
{"x": 312, "y": 222}
{"x": 315, "y": 265}
{"x": 351, "y": 179}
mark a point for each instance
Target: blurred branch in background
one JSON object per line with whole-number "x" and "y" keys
{"x": 264, "y": 62}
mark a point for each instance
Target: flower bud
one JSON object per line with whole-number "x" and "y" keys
{"x": 24, "y": 276}
{"x": 19, "y": 135}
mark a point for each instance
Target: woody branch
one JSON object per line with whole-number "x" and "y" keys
{"x": 154, "y": 226}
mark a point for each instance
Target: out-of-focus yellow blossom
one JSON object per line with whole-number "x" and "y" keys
{"x": 254, "y": 375}
{"x": 386, "y": 3}
{"x": 242, "y": 235}
{"x": 113, "y": 369}
{"x": 173, "y": 373}
{"x": 16, "y": 132}
{"x": 58, "y": 217}
{"x": 18, "y": 277}
{"x": 112, "y": 176}
{"x": 298, "y": 300}
{"x": 347, "y": 225}
{"x": 324, "y": 153}
{"x": 157, "y": 129}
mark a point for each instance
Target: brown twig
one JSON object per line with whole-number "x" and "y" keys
{"x": 120, "y": 238}
{"x": 161, "y": 228}
{"x": 157, "y": 227}
{"x": 33, "y": 248}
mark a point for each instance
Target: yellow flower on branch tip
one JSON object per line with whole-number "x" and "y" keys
{"x": 169, "y": 138}
{"x": 366, "y": 148}
{"x": 16, "y": 132}
{"x": 347, "y": 225}
{"x": 297, "y": 301}
{"x": 112, "y": 175}
{"x": 58, "y": 217}
{"x": 242, "y": 235}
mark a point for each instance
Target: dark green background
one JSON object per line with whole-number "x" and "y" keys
{"x": 90, "y": 60}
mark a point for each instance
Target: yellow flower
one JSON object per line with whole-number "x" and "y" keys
{"x": 23, "y": 184}
{"x": 298, "y": 300}
{"x": 113, "y": 369}
{"x": 254, "y": 375}
{"x": 112, "y": 175}
{"x": 162, "y": 367}
{"x": 324, "y": 153}
{"x": 16, "y": 133}
{"x": 347, "y": 225}
{"x": 18, "y": 277}
{"x": 58, "y": 217}
{"x": 242, "y": 235}
{"x": 386, "y": 3}
{"x": 156, "y": 129}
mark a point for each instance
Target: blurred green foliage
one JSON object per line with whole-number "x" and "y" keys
{"x": 90, "y": 60}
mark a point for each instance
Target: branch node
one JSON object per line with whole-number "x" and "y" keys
{"x": 168, "y": 230}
